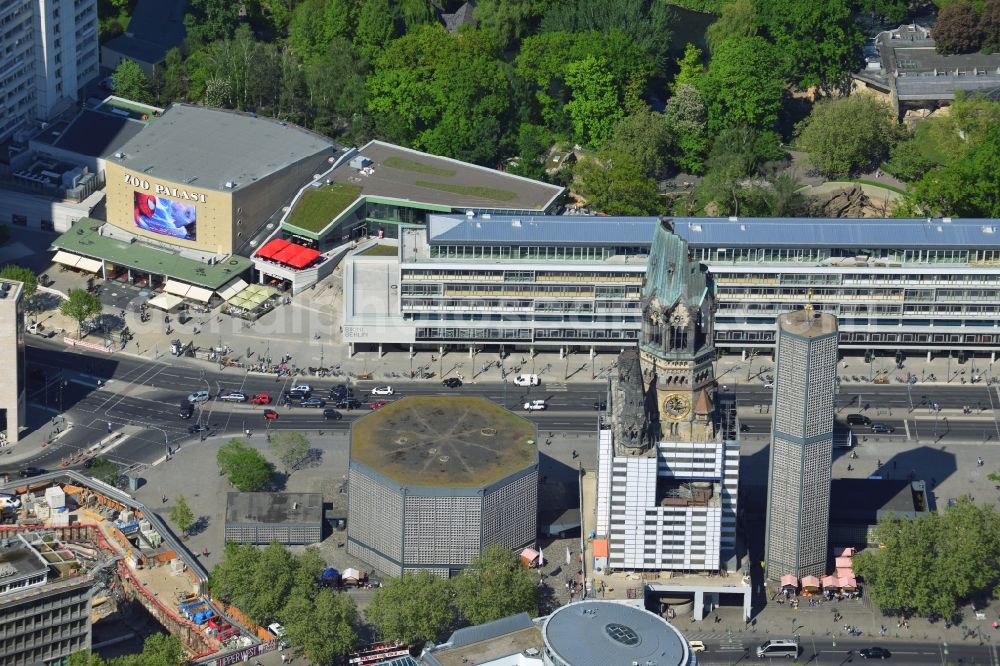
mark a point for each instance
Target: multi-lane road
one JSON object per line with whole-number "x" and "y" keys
{"x": 146, "y": 395}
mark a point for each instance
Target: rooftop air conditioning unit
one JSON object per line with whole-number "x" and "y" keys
{"x": 230, "y": 184}
{"x": 946, "y": 220}
{"x": 733, "y": 218}
{"x": 470, "y": 213}
{"x": 515, "y": 223}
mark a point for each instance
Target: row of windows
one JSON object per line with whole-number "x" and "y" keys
{"x": 529, "y": 252}
{"x": 815, "y": 255}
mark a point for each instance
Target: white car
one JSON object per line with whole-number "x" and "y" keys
{"x": 534, "y": 405}
{"x": 526, "y": 380}
{"x": 199, "y": 396}
{"x": 302, "y": 388}
{"x": 696, "y": 646}
{"x": 382, "y": 390}
{"x": 767, "y": 384}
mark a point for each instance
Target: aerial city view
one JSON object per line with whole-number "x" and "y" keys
{"x": 499, "y": 332}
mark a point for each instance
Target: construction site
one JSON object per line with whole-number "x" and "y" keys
{"x": 85, "y": 567}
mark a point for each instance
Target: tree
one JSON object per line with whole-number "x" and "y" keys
{"x": 21, "y": 274}
{"x": 615, "y": 184}
{"x": 738, "y": 159}
{"x": 956, "y": 29}
{"x": 820, "y": 41}
{"x": 181, "y": 516}
{"x": 885, "y": 11}
{"x": 544, "y": 59}
{"x": 533, "y": 142}
{"x": 209, "y": 20}
{"x": 689, "y": 68}
{"x": 233, "y": 579}
{"x": 643, "y": 135}
{"x": 737, "y": 21}
{"x": 647, "y": 23}
{"x": 989, "y": 26}
{"x": 442, "y": 92}
{"x": 323, "y": 627}
{"x": 335, "y": 82}
{"x": 907, "y": 162}
{"x": 687, "y": 120}
{"x": 291, "y": 447}
{"x": 417, "y": 12}
{"x": 969, "y": 187}
{"x": 495, "y": 585}
{"x": 245, "y": 467}
{"x": 104, "y": 470}
{"x": 593, "y": 106}
{"x": 849, "y": 134}
{"x": 743, "y": 85}
{"x": 80, "y": 305}
{"x": 412, "y": 609}
{"x": 932, "y": 564}
{"x": 157, "y": 650}
{"x": 376, "y": 26}
{"x": 506, "y": 20}
{"x": 130, "y": 82}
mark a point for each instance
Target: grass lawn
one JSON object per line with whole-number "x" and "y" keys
{"x": 396, "y": 162}
{"x": 136, "y": 109}
{"x": 318, "y": 206}
{"x": 471, "y": 190}
{"x": 380, "y": 250}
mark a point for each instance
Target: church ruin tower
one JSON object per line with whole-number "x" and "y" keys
{"x": 676, "y": 348}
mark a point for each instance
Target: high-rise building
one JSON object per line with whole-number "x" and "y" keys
{"x": 667, "y": 474}
{"x": 50, "y": 51}
{"x": 12, "y": 392}
{"x": 798, "y": 501}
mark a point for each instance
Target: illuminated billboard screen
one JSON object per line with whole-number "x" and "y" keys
{"x": 162, "y": 215}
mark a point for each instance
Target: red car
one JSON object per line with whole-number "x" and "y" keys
{"x": 261, "y": 399}
{"x": 379, "y": 403}
{"x": 270, "y": 415}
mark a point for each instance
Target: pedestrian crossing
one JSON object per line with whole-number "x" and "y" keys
{"x": 556, "y": 387}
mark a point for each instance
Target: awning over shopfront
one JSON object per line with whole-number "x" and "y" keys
{"x": 289, "y": 254}
{"x": 272, "y": 247}
{"x": 67, "y": 259}
{"x": 165, "y": 301}
{"x": 199, "y": 294}
{"x": 90, "y": 265}
{"x": 176, "y": 288}
{"x": 231, "y": 289}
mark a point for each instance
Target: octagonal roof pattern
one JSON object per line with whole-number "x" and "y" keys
{"x": 443, "y": 441}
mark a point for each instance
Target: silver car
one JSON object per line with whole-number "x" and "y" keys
{"x": 199, "y": 396}
{"x": 233, "y": 396}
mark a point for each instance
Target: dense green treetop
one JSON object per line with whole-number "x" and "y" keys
{"x": 413, "y": 608}
{"x": 21, "y": 274}
{"x": 848, "y": 135}
{"x": 495, "y": 585}
{"x": 743, "y": 85}
{"x": 648, "y": 23}
{"x": 820, "y": 41}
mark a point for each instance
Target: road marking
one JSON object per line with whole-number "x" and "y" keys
{"x": 558, "y": 387}
{"x": 906, "y": 424}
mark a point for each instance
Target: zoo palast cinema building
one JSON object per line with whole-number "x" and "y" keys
{"x": 191, "y": 193}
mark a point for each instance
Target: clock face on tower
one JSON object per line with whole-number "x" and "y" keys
{"x": 677, "y": 406}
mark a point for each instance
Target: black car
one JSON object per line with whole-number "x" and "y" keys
{"x": 332, "y": 414}
{"x": 348, "y": 403}
{"x": 28, "y": 472}
{"x": 313, "y": 402}
{"x": 195, "y": 428}
{"x": 874, "y": 653}
{"x": 600, "y": 405}
{"x": 297, "y": 394}
{"x": 187, "y": 409}
{"x": 340, "y": 391}
{"x": 452, "y": 382}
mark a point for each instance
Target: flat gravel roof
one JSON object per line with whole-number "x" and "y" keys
{"x": 443, "y": 441}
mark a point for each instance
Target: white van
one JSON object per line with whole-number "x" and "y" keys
{"x": 778, "y": 647}
{"x": 526, "y": 380}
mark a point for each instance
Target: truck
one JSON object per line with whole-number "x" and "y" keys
{"x": 527, "y": 380}
{"x": 190, "y": 603}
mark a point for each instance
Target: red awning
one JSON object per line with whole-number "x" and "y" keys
{"x": 788, "y": 580}
{"x": 302, "y": 258}
{"x": 831, "y": 581}
{"x": 272, "y": 247}
{"x": 286, "y": 253}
